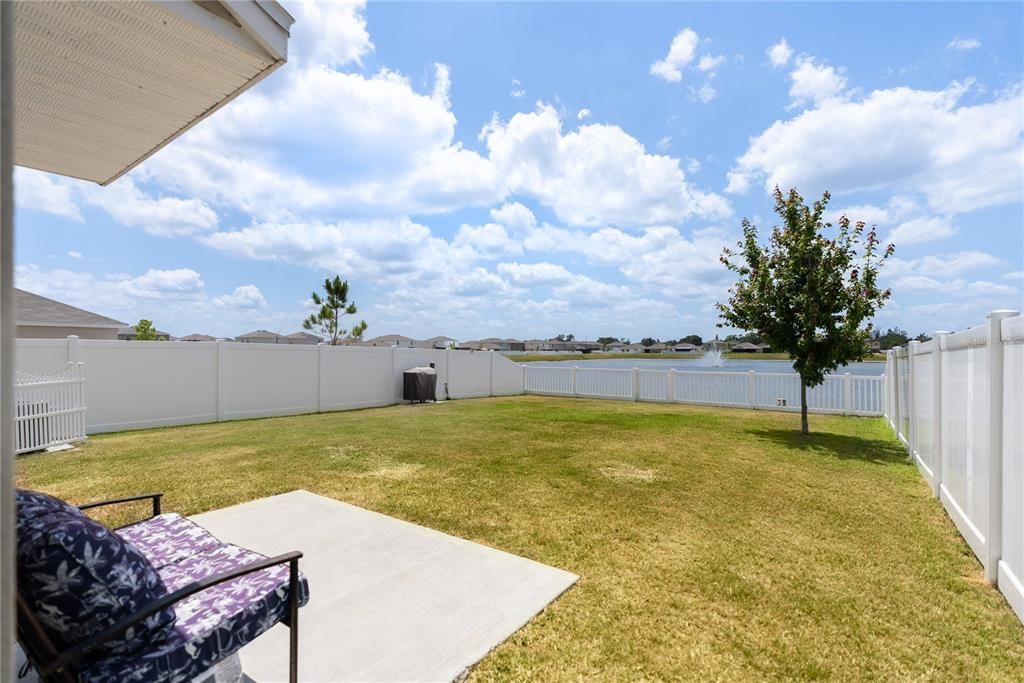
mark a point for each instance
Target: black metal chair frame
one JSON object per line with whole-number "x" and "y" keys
{"x": 58, "y": 667}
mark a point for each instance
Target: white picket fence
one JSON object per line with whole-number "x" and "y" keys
{"x": 135, "y": 385}
{"x": 957, "y": 403}
{"x": 49, "y": 408}
{"x": 844, "y": 394}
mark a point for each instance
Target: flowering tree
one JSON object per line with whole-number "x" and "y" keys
{"x": 810, "y": 292}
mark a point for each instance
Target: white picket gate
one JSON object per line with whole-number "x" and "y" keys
{"x": 49, "y": 408}
{"x": 843, "y": 394}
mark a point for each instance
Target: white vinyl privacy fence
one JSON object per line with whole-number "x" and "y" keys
{"x": 844, "y": 394}
{"x": 957, "y": 403}
{"x": 49, "y": 408}
{"x": 135, "y": 384}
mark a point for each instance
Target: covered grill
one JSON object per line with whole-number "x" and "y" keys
{"x": 420, "y": 384}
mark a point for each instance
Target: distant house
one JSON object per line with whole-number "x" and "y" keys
{"x": 746, "y": 347}
{"x": 715, "y": 344}
{"x": 656, "y": 348}
{"x": 765, "y": 347}
{"x": 635, "y": 348}
{"x": 683, "y": 347}
{"x": 196, "y": 337}
{"x": 875, "y": 346}
{"x": 495, "y": 344}
{"x": 439, "y": 342}
{"x": 586, "y": 346}
{"x": 616, "y": 347}
{"x": 40, "y": 318}
{"x": 392, "y": 340}
{"x": 129, "y": 334}
{"x": 259, "y": 337}
{"x": 300, "y": 338}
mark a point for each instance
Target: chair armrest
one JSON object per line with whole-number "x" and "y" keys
{"x": 73, "y": 653}
{"x": 114, "y": 501}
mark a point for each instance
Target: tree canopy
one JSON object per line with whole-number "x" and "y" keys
{"x": 332, "y": 307}
{"x": 811, "y": 291}
{"x": 144, "y": 330}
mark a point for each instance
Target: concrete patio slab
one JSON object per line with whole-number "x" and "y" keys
{"x": 390, "y": 600}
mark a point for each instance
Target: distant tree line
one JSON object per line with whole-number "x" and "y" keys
{"x": 895, "y": 337}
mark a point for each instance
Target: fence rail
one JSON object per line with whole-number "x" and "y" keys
{"x": 957, "y": 403}
{"x": 844, "y": 394}
{"x": 49, "y": 408}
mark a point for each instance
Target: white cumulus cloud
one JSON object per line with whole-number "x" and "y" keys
{"x": 680, "y": 54}
{"x": 779, "y": 53}
{"x": 595, "y": 175}
{"x": 958, "y": 156}
{"x": 814, "y": 83}
{"x": 963, "y": 44}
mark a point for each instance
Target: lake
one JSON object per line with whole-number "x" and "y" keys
{"x": 728, "y": 365}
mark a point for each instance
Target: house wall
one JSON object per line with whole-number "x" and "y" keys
{"x": 47, "y": 332}
{"x": 131, "y": 385}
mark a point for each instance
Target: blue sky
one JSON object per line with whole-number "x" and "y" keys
{"x": 523, "y": 170}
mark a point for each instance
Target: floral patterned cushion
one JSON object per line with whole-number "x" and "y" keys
{"x": 168, "y": 538}
{"x": 78, "y": 577}
{"x": 212, "y": 624}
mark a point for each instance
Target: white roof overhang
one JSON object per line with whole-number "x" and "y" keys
{"x": 101, "y": 86}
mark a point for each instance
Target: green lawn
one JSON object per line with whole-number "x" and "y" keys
{"x": 712, "y": 544}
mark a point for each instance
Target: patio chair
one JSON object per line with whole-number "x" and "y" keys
{"x": 159, "y": 600}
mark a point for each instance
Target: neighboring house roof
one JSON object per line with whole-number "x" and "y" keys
{"x": 196, "y": 337}
{"x": 32, "y": 309}
{"x": 684, "y": 345}
{"x": 745, "y": 346}
{"x": 258, "y": 334}
{"x": 390, "y": 338}
{"x": 303, "y": 335}
{"x": 440, "y": 339}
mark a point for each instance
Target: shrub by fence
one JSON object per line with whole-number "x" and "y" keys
{"x": 133, "y": 385}
{"x": 957, "y": 403}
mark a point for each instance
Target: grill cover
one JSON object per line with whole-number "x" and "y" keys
{"x": 419, "y": 384}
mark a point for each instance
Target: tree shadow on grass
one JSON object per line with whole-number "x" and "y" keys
{"x": 842, "y": 446}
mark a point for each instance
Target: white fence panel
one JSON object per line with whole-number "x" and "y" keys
{"x": 1011, "y": 564}
{"x": 508, "y": 376}
{"x": 965, "y": 447}
{"x": 470, "y": 374}
{"x": 604, "y": 383}
{"x": 847, "y": 394}
{"x": 922, "y": 357}
{"x": 40, "y": 356}
{"x": 652, "y": 385}
{"x": 49, "y": 408}
{"x": 355, "y": 377}
{"x": 133, "y": 385}
{"x": 957, "y": 402}
{"x": 550, "y": 381}
{"x": 713, "y": 388}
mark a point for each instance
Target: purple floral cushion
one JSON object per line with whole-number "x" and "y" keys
{"x": 78, "y": 577}
{"x": 212, "y": 624}
{"x": 168, "y": 538}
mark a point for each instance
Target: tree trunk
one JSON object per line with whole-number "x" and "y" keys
{"x": 803, "y": 408}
